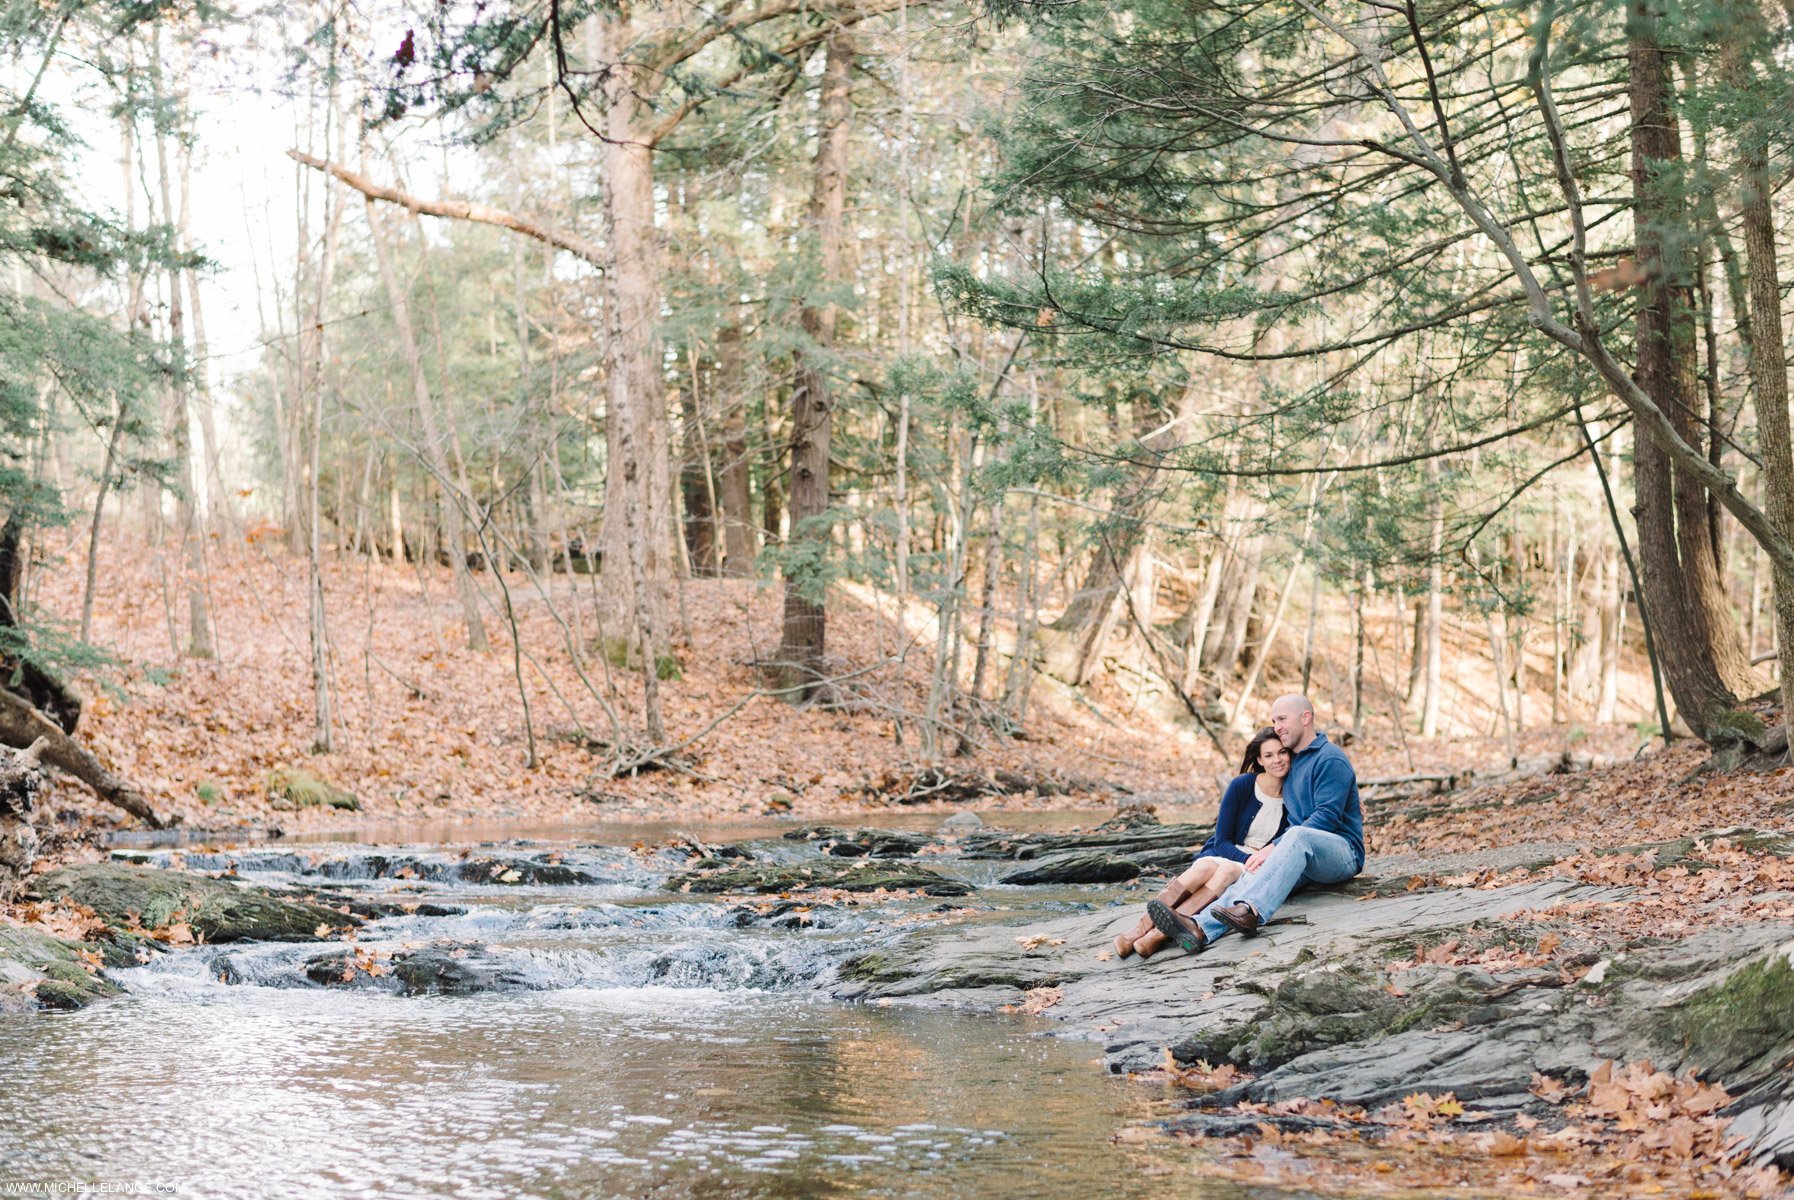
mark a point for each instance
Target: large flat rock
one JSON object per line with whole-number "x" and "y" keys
{"x": 217, "y": 910}
{"x": 1310, "y": 1009}
{"x": 1137, "y": 1008}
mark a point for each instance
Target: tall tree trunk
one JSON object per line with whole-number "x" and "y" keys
{"x": 1768, "y": 352}
{"x": 1682, "y": 588}
{"x": 805, "y": 633}
{"x": 1610, "y": 588}
{"x": 1434, "y": 675}
{"x": 987, "y": 611}
{"x": 1075, "y": 643}
{"x": 694, "y": 483}
{"x": 180, "y": 432}
{"x": 449, "y": 511}
{"x": 219, "y": 509}
{"x": 638, "y": 502}
{"x": 741, "y": 538}
{"x": 99, "y": 511}
{"x": 1771, "y": 384}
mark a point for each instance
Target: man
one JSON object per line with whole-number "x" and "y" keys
{"x": 1324, "y": 842}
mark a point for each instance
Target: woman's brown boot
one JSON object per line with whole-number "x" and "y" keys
{"x": 1149, "y": 943}
{"x": 1174, "y": 894}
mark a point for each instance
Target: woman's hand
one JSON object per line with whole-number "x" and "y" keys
{"x": 1257, "y": 858}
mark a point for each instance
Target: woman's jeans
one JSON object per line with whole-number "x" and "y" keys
{"x": 1303, "y": 855}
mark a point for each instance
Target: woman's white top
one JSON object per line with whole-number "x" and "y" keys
{"x": 1265, "y": 822}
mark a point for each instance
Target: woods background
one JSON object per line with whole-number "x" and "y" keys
{"x": 665, "y": 404}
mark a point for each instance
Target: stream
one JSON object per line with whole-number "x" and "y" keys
{"x": 579, "y": 1039}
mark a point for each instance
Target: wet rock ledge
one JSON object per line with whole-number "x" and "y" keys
{"x": 1341, "y": 1007}
{"x": 141, "y": 910}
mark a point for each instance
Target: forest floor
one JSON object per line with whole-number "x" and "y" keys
{"x": 426, "y": 730}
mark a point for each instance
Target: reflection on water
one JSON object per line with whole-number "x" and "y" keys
{"x": 251, "y": 1091}
{"x": 617, "y": 1042}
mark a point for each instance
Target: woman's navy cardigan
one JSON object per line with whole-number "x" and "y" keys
{"x": 1239, "y": 804}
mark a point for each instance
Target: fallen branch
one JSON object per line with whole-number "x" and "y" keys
{"x": 23, "y": 725}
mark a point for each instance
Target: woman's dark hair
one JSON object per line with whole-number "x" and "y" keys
{"x": 1249, "y": 765}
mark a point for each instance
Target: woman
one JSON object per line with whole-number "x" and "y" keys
{"x": 1251, "y": 815}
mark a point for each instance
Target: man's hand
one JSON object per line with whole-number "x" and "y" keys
{"x": 1257, "y": 858}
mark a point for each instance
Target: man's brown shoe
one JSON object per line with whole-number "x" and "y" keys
{"x": 1177, "y": 927}
{"x": 1237, "y": 916}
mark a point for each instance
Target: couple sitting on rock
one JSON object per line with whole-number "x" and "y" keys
{"x": 1291, "y": 817}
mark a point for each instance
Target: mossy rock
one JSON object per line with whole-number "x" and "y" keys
{"x": 1683, "y": 852}
{"x": 1083, "y": 867}
{"x": 1325, "y": 1008}
{"x": 1744, "y": 1023}
{"x": 292, "y": 788}
{"x": 51, "y": 969}
{"x": 515, "y": 872}
{"x": 997, "y": 844}
{"x": 875, "y": 967}
{"x": 880, "y": 968}
{"x": 863, "y": 843}
{"x": 459, "y": 969}
{"x": 714, "y": 876}
{"x": 215, "y": 910}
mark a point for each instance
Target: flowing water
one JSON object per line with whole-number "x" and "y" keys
{"x": 611, "y": 1041}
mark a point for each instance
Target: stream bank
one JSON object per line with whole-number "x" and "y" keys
{"x": 1394, "y": 985}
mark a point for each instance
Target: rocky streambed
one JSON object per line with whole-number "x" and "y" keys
{"x": 1338, "y": 1004}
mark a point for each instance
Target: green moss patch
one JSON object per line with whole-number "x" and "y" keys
{"x": 66, "y": 980}
{"x": 292, "y": 788}
{"x": 1747, "y": 1018}
{"x": 127, "y": 896}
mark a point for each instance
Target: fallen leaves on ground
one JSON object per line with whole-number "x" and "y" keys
{"x": 1632, "y": 1131}
{"x": 425, "y": 728}
{"x": 1200, "y": 1076}
{"x": 1036, "y": 1000}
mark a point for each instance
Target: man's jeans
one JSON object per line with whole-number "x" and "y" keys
{"x": 1303, "y": 855}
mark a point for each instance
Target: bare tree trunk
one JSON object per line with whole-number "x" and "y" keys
{"x": 199, "y": 625}
{"x": 944, "y": 679}
{"x": 1517, "y": 624}
{"x": 1239, "y": 593}
{"x": 1193, "y": 626}
{"x": 1358, "y": 598}
{"x": 1314, "y": 609}
{"x": 1416, "y": 653}
{"x": 741, "y": 539}
{"x": 987, "y": 605}
{"x": 434, "y": 453}
{"x": 804, "y": 640}
{"x": 1435, "y": 629}
{"x": 1682, "y": 589}
{"x": 900, "y": 501}
{"x": 323, "y": 706}
{"x": 1021, "y": 662}
{"x": 694, "y": 483}
{"x": 99, "y": 511}
{"x": 219, "y": 509}
{"x": 1611, "y": 588}
{"x": 1768, "y": 359}
{"x": 638, "y": 504}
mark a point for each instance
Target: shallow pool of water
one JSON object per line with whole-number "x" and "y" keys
{"x": 253, "y": 1091}
{"x": 638, "y": 1045}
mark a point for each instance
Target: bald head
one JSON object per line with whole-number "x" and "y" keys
{"x": 1292, "y": 717}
